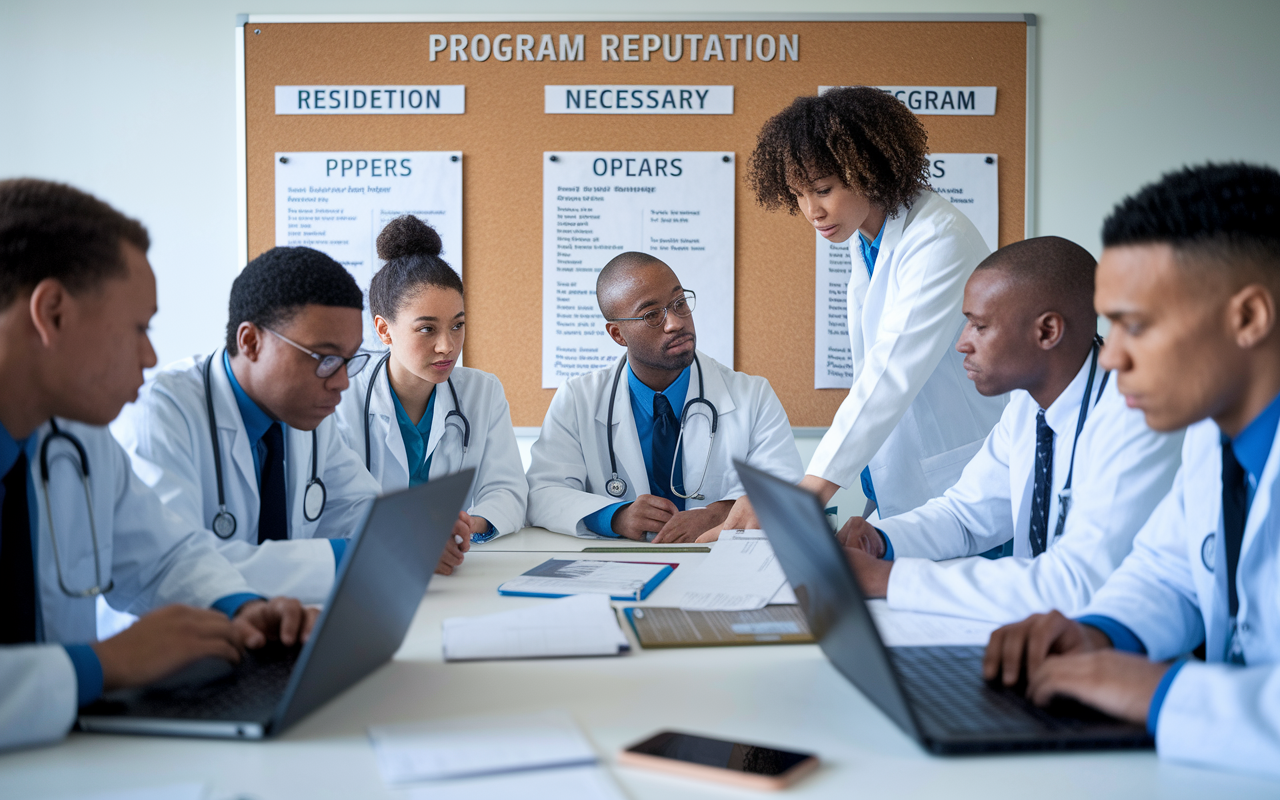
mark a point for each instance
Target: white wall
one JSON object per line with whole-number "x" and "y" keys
{"x": 134, "y": 101}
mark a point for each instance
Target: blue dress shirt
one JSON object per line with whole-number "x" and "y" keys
{"x": 870, "y": 252}
{"x": 601, "y": 522}
{"x": 256, "y": 423}
{"x": 1252, "y": 447}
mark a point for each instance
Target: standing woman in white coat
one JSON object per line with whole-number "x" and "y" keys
{"x": 854, "y": 162}
{"x": 418, "y": 415}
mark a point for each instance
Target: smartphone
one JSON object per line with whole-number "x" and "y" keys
{"x": 748, "y": 766}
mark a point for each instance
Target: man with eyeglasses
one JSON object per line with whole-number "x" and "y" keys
{"x": 644, "y": 449}
{"x": 276, "y": 486}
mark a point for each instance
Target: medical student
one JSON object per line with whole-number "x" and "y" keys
{"x": 854, "y": 161}
{"x": 417, "y": 406}
{"x": 1069, "y": 474}
{"x": 240, "y": 441}
{"x": 1189, "y": 277}
{"x": 645, "y": 447}
{"x": 76, "y": 296}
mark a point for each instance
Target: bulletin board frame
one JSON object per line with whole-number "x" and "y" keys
{"x": 490, "y": 324}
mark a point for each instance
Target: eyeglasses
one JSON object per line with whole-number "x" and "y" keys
{"x": 328, "y": 364}
{"x": 681, "y": 307}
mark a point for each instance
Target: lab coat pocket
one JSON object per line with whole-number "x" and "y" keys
{"x": 943, "y": 470}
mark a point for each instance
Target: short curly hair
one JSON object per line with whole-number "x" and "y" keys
{"x": 52, "y": 230}
{"x": 1216, "y": 217}
{"x": 864, "y": 136}
{"x": 277, "y": 284}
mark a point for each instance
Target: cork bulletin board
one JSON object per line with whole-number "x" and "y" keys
{"x": 504, "y": 133}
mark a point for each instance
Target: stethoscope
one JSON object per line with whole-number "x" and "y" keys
{"x": 1064, "y": 498}
{"x": 616, "y": 486}
{"x": 368, "y": 397}
{"x": 55, "y": 433}
{"x": 224, "y": 522}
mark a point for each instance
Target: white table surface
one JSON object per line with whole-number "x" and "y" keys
{"x": 786, "y": 695}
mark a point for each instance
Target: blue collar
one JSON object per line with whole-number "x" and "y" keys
{"x": 402, "y": 417}
{"x": 256, "y": 421}
{"x": 1253, "y": 444}
{"x": 643, "y": 396}
{"x": 871, "y": 250}
{"x": 9, "y": 450}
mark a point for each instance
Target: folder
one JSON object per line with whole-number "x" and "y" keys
{"x": 620, "y": 580}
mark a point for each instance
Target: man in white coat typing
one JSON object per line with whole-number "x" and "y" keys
{"x": 1190, "y": 279}
{"x": 611, "y": 460}
{"x": 1067, "y": 477}
{"x": 76, "y": 295}
{"x": 240, "y": 442}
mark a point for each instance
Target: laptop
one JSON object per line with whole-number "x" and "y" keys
{"x": 936, "y": 694}
{"x": 377, "y": 591}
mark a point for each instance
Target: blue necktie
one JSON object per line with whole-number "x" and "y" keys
{"x": 1235, "y": 510}
{"x": 1044, "y": 479}
{"x": 17, "y": 566}
{"x": 666, "y": 431}
{"x": 273, "y": 520}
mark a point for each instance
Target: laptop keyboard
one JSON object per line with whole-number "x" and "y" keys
{"x": 251, "y": 691}
{"x": 947, "y": 693}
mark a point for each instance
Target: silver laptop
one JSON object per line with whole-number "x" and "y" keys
{"x": 936, "y": 694}
{"x": 377, "y": 590}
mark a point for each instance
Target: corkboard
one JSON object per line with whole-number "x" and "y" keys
{"x": 505, "y": 132}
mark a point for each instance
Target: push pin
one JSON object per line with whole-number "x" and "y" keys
{"x": 725, "y": 159}
{"x": 284, "y": 159}
{"x": 453, "y": 158}
{"x": 555, "y": 158}
{"x": 990, "y": 160}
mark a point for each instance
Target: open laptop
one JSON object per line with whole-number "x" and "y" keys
{"x": 936, "y": 694}
{"x": 377, "y": 590}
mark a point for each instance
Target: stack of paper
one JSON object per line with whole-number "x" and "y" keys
{"x": 740, "y": 574}
{"x": 582, "y": 625}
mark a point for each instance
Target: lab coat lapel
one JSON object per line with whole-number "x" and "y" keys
{"x": 441, "y": 409}
{"x": 694, "y": 451}
{"x": 383, "y": 407}
{"x": 1021, "y": 474}
{"x": 626, "y": 441}
{"x": 229, "y": 420}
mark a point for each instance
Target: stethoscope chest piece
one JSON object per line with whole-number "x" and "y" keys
{"x": 224, "y": 524}
{"x": 616, "y": 487}
{"x": 313, "y": 499}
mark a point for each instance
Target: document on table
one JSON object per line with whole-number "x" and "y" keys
{"x": 570, "y": 783}
{"x": 472, "y": 746}
{"x": 909, "y": 628}
{"x": 582, "y": 625}
{"x": 559, "y": 577}
{"x": 738, "y": 575}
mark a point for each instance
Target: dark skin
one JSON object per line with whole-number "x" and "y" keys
{"x": 657, "y": 356}
{"x": 1188, "y": 341}
{"x": 1009, "y": 342}
{"x": 80, "y": 355}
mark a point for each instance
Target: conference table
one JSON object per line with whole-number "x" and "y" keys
{"x": 782, "y": 695}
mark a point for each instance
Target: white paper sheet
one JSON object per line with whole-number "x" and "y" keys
{"x": 339, "y": 202}
{"x": 177, "y": 791}
{"x": 581, "y": 625}
{"x": 454, "y": 748}
{"x": 969, "y": 182}
{"x": 620, "y": 579}
{"x": 572, "y": 783}
{"x": 907, "y": 628}
{"x": 738, "y": 575}
{"x": 678, "y": 207}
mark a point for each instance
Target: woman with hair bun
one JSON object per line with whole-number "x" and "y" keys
{"x": 855, "y": 163}
{"x": 417, "y": 415}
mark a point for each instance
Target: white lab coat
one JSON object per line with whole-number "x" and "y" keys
{"x": 1122, "y": 471}
{"x": 570, "y": 464}
{"x": 1171, "y": 592}
{"x": 912, "y": 414}
{"x": 500, "y": 490}
{"x": 151, "y": 554}
{"x": 166, "y": 432}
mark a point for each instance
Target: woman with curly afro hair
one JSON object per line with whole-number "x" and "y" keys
{"x": 854, "y": 162}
